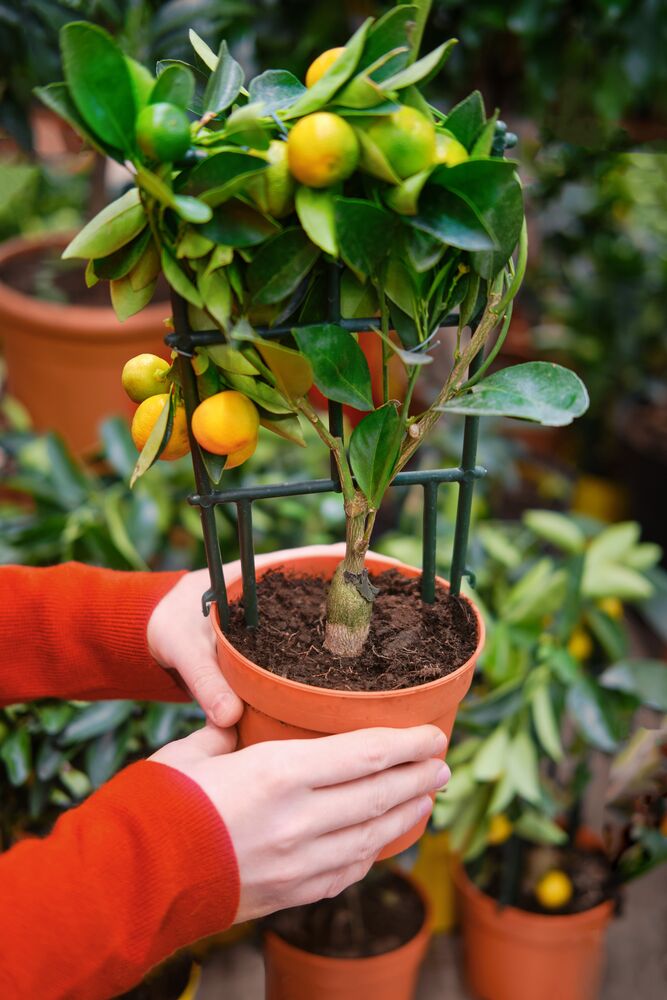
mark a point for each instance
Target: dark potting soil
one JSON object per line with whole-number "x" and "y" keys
{"x": 409, "y": 643}
{"x": 589, "y": 872}
{"x": 378, "y": 915}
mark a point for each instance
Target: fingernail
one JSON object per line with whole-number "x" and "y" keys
{"x": 425, "y": 806}
{"x": 220, "y": 709}
{"x": 443, "y": 776}
{"x": 439, "y": 743}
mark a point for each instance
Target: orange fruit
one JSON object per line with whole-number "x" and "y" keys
{"x": 500, "y": 829}
{"x": 144, "y": 376}
{"x": 324, "y": 62}
{"x": 322, "y": 149}
{"x": 407, "y": 139}
{"x": 449, "y": 150}
{"x": 144, "y": 420}
{"x": 554, "y": 890}
{"x": 225, "y": 423}
{"x": 237, "y": 458}
{"x": 163, "y": 132}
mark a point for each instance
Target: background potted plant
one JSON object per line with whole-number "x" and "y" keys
{"x": 557, "y": 684}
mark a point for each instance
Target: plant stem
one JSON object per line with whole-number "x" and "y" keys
{"x": 334, "y": 444}
{"x": 350, "y": 597}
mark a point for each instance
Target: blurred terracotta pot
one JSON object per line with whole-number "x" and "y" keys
{"x": 64, "y": 361}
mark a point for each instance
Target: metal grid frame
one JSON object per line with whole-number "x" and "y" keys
{"x": 184, "y": 340}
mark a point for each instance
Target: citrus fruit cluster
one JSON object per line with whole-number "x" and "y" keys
{"x": 225, "y": 423}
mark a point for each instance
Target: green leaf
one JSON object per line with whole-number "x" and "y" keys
{"x": 162, "y": 723}
{"x": 245, "y": 127}
{"x": 321, "y": 93}
{"x": 392, "y": 31}
{"x": 193, "y": 245}
{"x": 613, "y": 544}
{"x": 316, "y": 211}
{"x": 220, "y": 176}
{"x": 174, "y": 85}
{"x": 467, "y": 119}
{"x": 558, "y": 529}
{"x": 142, "y": 82}
{"x": 237, "y": 225}
{"x": 357, "y": 299}
{"x": 491, "y": 759}
{"x": 539, "y": 829}
{"x": 293, "y": 372}
{"x": 537, "y": 390}
{"x": 544, "y": 720}
{"x": 146, "y": 270}
{"x": 76, "y": 782}
{"x": 119, "y": 450}
{"x": 216, "y": 295}
{"x": 287, "y": 427}
{"x": 522, "y": 763}
{"x": 374, "y": 448}
{"x": 53, "y": 718}
{"x": 178, "y": 280}
{"x": 121, "y": 261}
{"x": 225, "y": 83}
{"x": 484, "y": 142}
{"x": 503, "y": 793}
{"x": 611, "y": 634}
{"x": 585, "y": 705}
{"x": 365, "y": 234}
{"x": 68, "y": 482}
{"x": 645, "y": 679}
{"x": 111, "y": 228}
{"x": 126, "y": 301}
{"x": 423, "y": 70}
{"x": 204, "y": 51}
{"x": 280, "y": 266}
{"x": 610, "y": 580}
{"x": 96, "y": 719}
{"x": 105, "y": 755}
{"x": 404, "y": 198}
{"x": 99, "y": 83}
{"x": 192, "y": 209}
{"x": 451, "y": 220}
{"x": 156, "y": 441}
{"x": 261, "y": 393}
{"x": 372, "y": 159}
{"x": 17, "y": 756}
{"x": 56, "y": 96}
{"x": 339, "y": 366}
{"x": 230, "y": 359}
{"x": 49, "y": 760}
{"x": 275, "y": 90}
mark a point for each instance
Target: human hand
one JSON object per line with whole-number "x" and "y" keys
{"x": 181, "y": 639}
{"x": 307, "y": 818}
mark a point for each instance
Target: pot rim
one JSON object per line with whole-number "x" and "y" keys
{"x": 334, "y": 693}
{"x": 516, "y": 918}
{"x": 422, "y": 935}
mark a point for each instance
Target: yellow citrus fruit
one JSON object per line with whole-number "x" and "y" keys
{"x": 273, "y": 189}
{"x": 554, "y": 890}
{"x": 163, "y": 132}
{"x": 612, "y": 607}
{"x": 322, "y": 149}
{"x": 500, "y": 829}
{"x": 237, "y": 458}
{"x": 144, "y": 376}
{"x": 324, "y": 62}
{"x": 580, "y": 645}
{"x": 407, "y": 139}
{"x": 225, "y": 423}
{"x": 449, "y": 150}
{"x": 144, "y": 421}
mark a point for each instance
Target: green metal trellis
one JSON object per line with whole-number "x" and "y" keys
{"x": 184, "y": 340}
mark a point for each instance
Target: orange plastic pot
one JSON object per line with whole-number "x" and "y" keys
{"x": 293, "y": 974}
{"x": 510, "y": 954}
{"x": 277, "y": 708}
{"x": 64, "y": 362}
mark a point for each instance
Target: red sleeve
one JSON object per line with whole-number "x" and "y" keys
{"x": 143, "y": 867}
{"x": 76, "y": 631}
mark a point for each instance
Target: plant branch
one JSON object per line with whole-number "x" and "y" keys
{"x": 334, "y": 444}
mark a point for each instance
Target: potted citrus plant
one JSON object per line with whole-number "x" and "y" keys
{"x": 556, "y": 685}
{"x": 280, "y": 214}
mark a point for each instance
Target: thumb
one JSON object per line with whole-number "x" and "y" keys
{"x": 210, "y": 689}
{"x": 209, "y": 741}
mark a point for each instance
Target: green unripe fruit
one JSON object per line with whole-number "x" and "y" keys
{"x": 449, "y": 150}
{"x": 163, "y": 132}
{"x": 407, "y": 139}
{"x": 273, "y": 189}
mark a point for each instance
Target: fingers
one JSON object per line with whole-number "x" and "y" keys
{"x": 331, "y": 760}
{"x": 209, "y": 741}
{"x": 349, "y": 804}
{"x": 211, "y": 690}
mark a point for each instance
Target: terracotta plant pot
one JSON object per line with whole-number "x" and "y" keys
{"x": 277, "y": 708}
{"x": 64, "y": 361}
{"x": 510, "y": 954}
{"x": 294, "y": 974}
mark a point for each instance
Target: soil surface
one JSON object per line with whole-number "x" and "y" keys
{"x": 376, "y": 916}
{"x": 409, "y": 643}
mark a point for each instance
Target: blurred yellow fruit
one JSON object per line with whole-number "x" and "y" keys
{"x": 611, "y": 606}
{"x": 407, "y": 139}
{"x": 449, "y": 150}
{"x": 225, "y": 423}
{"x": 324, "y": 62}
{"x": 554, "y": 890}
{"x": 580, "y": 645}
{"x": 144, "y": 376}
{"x": 322, "y": 149}
{"x": 144, "y": 421}
{"x": 500, "y": 829}
{"x": 237, "y": 458}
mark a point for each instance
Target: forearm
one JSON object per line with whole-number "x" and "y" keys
{"x": 76, "y": 631}
{"x": 144, "y": 867}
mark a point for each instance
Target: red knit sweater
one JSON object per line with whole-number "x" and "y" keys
{"x": 144, "y": 865}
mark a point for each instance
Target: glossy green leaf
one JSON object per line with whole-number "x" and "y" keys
{"x": 609, "y": 633}
{"x": 99, "y": 83}
{"x": 196, "y": 103}
{"x": 16, "y": 753}
{"x": 156, "y": 442}
{"x": 67, "y": 480}
{"x": 214, "y": 178}
{"x": 539, "y": 829}
{"x": 483, "y": 144}
{"x": 235, "y": 224}
{"x": 95, "y": 719}
{"x": 422, "y": 70}
{"x": 522, "y": 762}
{"x": 76, "y": 782}
{"x": 119, "y": 450}
{"x": 146, "y": 270}
{"x": 587, "y": 708}
{"x": 142, "y": 81}
{"x": 275, "y": 90}
{"x": 280, "y": 266}
{"x": 611, "y": 580}
{"x": 357, "y": 299}
{"x": 192, "y": 209}
{"x": 111, "y": 228}
{"x": 404, "y": 198}
{"x": 503, "y": 793}
{"x": 365, "y": 234}
{"x": 50, "y": 758}
{"x": 394, "y": 30}
{"x": 321, "y": 93}
{"x": 230, "y": 359}
{"x": 556, "y": 528}
{"x": 361, "y": 92}
{"x": 261, "y": 393}
{"x": 293, "y": 372}
{"x": 126, "y": 301}
{"x": 614, "y": 543}
{"x": 54, "y": 718}
{"x": 216, "y": 294}
{"x": 179, "y": 280}
{"x": 105, "y": 755}
{"x": 467, "y": 119}
{"x": 339, "y": 366}
{"x": 645, "y": 679}
{"x": 373, "y": 161}
{"x": 245, "y": 127}
{"x": 225, "y": 83}
{"x": 537, "y": 390}
{"x": 374, "y": 448}
{"x": 451, "y": 220}
{"x": 287, "y": 427}
{"x": 162, "y": 723}
{"x": 193, "y": 245}
{"x": 544, "y": 720}
{"x": 316, "y": 211}
{"x": 56, "y": 96}
{"x": 204, "y": 51}
{"x": 174, "y": 85}
{"x": 121, "y": 261}
{"x": 491, "y": 759}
